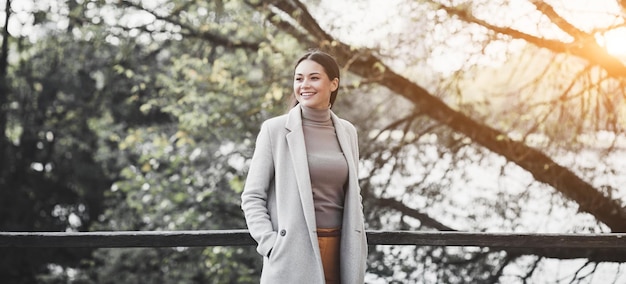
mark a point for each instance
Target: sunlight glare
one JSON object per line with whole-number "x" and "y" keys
{"x": 614, "y": 41}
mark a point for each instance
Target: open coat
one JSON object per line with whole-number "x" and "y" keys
{"x": 278, "y": 205}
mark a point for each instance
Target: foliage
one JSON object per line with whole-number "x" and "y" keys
{"x": 141, "y": 115}
{"x": 50, "y": 181}
{"x": 155, "y": 130}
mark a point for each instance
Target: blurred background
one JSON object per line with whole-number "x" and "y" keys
{"x": 479, "y": 116}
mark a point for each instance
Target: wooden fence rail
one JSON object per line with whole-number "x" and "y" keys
{"x": 119, "y": 239}
{"x": 602, "y": 247}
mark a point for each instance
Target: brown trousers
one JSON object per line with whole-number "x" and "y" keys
{"x": 329, "y": 241}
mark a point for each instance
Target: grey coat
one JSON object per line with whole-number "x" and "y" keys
{"x": 277, "y": 202}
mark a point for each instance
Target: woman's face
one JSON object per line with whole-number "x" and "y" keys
{"x": 311, "y": 85}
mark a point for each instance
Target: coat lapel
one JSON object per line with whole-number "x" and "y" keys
{"x": 297, "y": 150}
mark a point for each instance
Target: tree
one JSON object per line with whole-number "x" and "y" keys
{"x": 186, "y": 171}
{"x": 595, "y": 78}
{"x": 49, "y": 179}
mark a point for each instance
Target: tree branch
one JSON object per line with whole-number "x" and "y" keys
{"x": 422, "y": 217}
{"x": 193, "y": 32}
{"x": 583, "y": 46}
{"x": 606, "y": 210}
{"x": 559, "y": 21}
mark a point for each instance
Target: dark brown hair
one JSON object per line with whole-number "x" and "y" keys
{"x": 330, "y": 67}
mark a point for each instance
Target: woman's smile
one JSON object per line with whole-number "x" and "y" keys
{"x": 307, "y": 94}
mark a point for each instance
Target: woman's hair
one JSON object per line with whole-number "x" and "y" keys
{"x": 330, "y": 66}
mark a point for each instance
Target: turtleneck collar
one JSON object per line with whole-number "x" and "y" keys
{"x": 316, "y": 115}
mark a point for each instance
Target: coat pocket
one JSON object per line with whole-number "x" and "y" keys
{"x": 275, "y": 251}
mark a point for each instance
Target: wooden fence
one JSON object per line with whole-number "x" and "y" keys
{"x": 603, "y": 247}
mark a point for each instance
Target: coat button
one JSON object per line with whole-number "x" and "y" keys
{"x": 283, "y": 233}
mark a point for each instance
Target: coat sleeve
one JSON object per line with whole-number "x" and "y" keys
{"x": 254, "y": 199}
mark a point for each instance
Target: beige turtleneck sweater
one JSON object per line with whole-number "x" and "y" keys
{"x": 328, "y": 167}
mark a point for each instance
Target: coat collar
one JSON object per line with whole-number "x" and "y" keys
{"x": 294, "y": 118}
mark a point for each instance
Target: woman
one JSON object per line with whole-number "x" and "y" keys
{"x": 302, "y": 199}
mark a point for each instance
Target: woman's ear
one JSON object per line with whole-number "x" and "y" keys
{"x": 334, "y": 84}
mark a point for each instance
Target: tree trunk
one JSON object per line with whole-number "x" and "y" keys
{"x": 4, "y": 90}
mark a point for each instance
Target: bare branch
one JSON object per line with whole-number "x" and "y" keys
{"x": 194, "y": 32}
{"x": 543, "y": 168}
{"x": 422, "y": 217}
{"x": 559, "y": 21}
{"x": 584, "y": 45}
